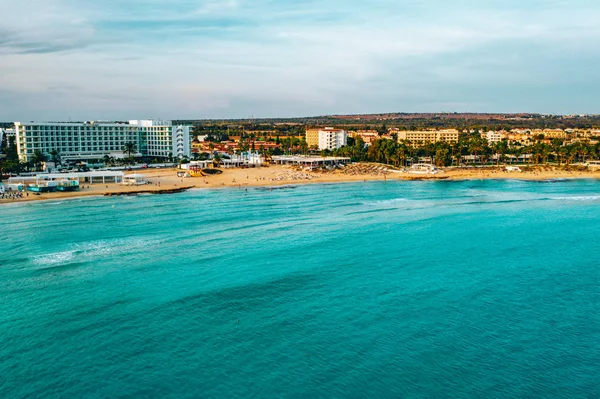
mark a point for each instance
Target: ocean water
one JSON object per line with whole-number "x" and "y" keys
{"x": 469, "y": 289}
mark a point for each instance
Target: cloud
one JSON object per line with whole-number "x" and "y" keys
{"x": 185, "y": 58}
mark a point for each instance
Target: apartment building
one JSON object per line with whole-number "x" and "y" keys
{"x": 493, "y": 137}
{"x": 550, "y": 133}
{"x": 94, "y": 140}
{"x": 331, "y": 139}
{"x": 368, "y": 136}
{"x": 326, "y": 137}
{"x": 428, "y": 136}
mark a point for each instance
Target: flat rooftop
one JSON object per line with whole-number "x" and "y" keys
{"x": 307, "y": 159}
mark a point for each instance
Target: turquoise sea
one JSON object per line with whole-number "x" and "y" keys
{"x": 473, "y": 289}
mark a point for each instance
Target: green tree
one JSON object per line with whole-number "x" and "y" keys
{"x": 55, "y": 156}
{"x": 37, "y": 158}
{"x": 130, "y": 148}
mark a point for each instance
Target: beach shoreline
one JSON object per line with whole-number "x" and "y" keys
{"x": 164, "y": 181}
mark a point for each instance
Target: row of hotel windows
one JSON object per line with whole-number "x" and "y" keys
{"x": 112, "y": 145}
{"x": 107, "y": 140}
{"x": 95, "y": 133}
{"x": 29, "y": 129}
{"x": 64, "y": 150}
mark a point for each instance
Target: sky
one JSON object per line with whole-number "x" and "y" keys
{"x": 186, "y": 59}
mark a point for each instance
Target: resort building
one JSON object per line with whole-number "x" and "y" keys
{"x": 332, "y": 139}
{"x": 327, "y": 138}
{"x": 368, "y": 136}
{"x": 493, "y": 137}
{"x": 521, "y": 139}
{"x": 94, "y": 140}
{"x": 428, "y": 136}
{"x": 550, "y": 133}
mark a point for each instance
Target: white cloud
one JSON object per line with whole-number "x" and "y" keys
{"x": 187, "y": 59}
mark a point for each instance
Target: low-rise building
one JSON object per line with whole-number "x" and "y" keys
{"x": 428, "y": 136}
{"x": 368, "y": 136}
{"x": 550, "y": 133}
{"x": 518, "y": 138}
{"x": 493, "y": 136}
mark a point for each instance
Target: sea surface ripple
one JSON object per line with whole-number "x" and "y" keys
{"x": 383, "y": 290}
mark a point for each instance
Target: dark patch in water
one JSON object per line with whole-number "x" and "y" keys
{"x": 275, "y": 188}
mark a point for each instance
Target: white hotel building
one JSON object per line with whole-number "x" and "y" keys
{"x": 94, "y": 140}
{"x": 332, "y": 139}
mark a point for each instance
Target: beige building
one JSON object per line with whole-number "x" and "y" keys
{"x": 550, "y": 133}
{"x": 521, "y": 138}
{"x": 428, "y": 136}
{"x": 368, "y": 136}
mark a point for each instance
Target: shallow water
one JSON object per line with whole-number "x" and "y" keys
{"x": 382, "y": 289}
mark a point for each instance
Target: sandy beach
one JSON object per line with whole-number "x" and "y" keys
{"x": 164, "y": 180}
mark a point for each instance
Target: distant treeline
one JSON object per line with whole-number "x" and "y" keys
{"x": 482, "y": 122}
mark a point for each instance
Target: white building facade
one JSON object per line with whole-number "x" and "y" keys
{"x": 492, "y": 137}
{"x": 94, "y": 140}
{"x": 332, "y": 139}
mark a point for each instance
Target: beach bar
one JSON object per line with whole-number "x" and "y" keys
{"x": 307, "y": 161}
{"x": 100, "y": 176}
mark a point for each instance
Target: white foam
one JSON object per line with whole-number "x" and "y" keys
{"x": 386, "y": 202}
{"x": 56, "y": 258}
{"x": 579, "y": 198}
{"x": 93, "y": 249}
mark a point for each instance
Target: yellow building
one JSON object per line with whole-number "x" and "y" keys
{"x": 312, "y": 137}
{"x": 448, "y": 135}
{"x": 428, "y": 136}
{"x": 550, "y": 133}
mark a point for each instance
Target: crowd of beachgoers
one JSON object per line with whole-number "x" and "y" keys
{"x": 12, "y": 195}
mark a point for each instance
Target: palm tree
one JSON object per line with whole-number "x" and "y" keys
{"x": 129, "y": 148}
{"x": 556, "y": 146}
{"x": 55, "y": 156}
{"x": 501, "y": 148}
{"x": 216, "y": 160}
{"x": 37, "y": 158}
